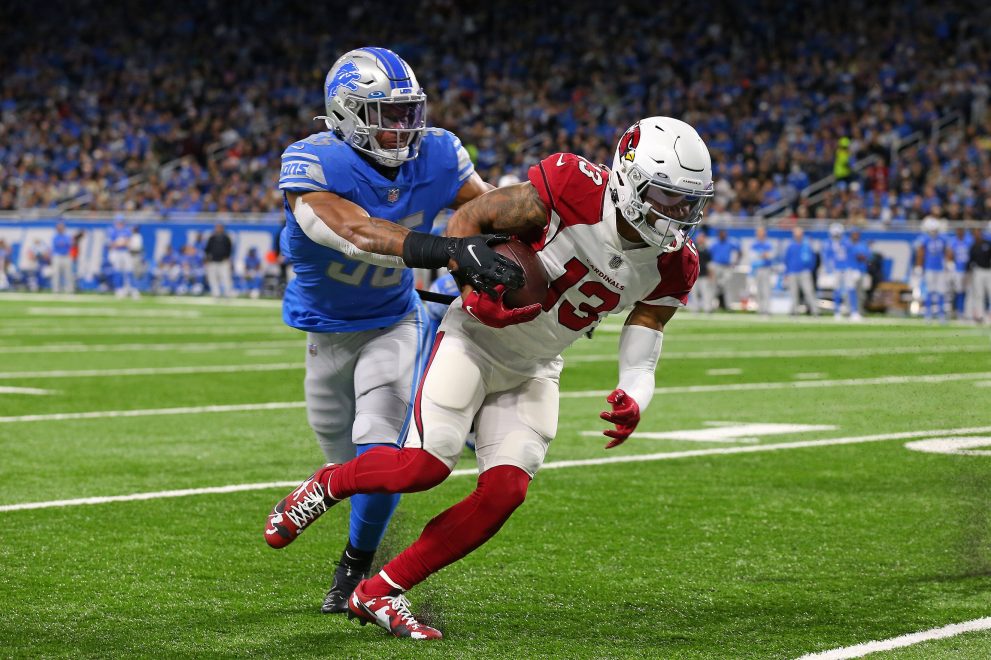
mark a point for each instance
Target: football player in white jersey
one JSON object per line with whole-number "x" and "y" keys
{"x": 609, "y": 241}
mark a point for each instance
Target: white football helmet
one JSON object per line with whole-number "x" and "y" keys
{"x": 376, "y": 105}
{"x": 661, "y": 180}
{"x": 836, "y": 230}
{"x": 931, "y": 226}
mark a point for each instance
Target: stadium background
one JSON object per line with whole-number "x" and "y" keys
{"x": 173, "y": 116}
{"x": 872, "y": 114}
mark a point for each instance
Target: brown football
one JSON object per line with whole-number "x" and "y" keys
{"x": 535, "y": 284}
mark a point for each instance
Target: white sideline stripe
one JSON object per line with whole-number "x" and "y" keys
{"x": 554, "y": 465}
{"x": 242, "y": 329}
{"x": 152, "y": 371}
{"x": 114, "y": 312}
{"x": 173, "y": 346}
{"x": 861, "y": 650}
{"x": 186, "y": 410}
{"x": 24, "y": 390}
{"x": 799, "y": 353}
{"x": 791, "y": 334}
{"x": 801, "y": 384}
{"x": 96, "y": 298}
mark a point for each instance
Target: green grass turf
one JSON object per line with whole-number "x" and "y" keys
{"x": 763, "y": 555}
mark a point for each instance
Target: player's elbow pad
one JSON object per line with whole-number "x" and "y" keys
{"x": 318, "y": 232}
{"x": 639, "y": 351}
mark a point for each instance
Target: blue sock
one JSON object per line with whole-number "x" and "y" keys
{"x": 370, "y": 514}
{"x": 837, "y": 300}
{"x": 854, "y": 303}
{"x": 941, "y": 306}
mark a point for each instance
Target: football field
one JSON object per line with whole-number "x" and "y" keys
{"x": 796, "y": 486}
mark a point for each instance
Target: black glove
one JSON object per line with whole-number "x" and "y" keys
{"x": 481, "y": 266}
{"x": 477, "y": 264}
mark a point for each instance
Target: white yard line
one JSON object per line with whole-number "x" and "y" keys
{"x": 96, "y": 298}
{"x": 186, "y": 410}
{"x": 114, "y": 312}
{"x": 674, "y": 354}
{"x": 151, "y": 371}
{"x": 144, "y": 348}
{"x": 902, "y": 641}
{"x": 75, "y": 331}
{"x": 33, "y": 391}
{"x": 801, "y": 384}
{"x": 554, "y": 465}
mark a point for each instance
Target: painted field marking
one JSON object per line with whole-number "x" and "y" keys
{"x": 798, "y": 353}
{"x": 151, "y": 371}
{"x": 242, "y": 329}
{"x": 809, "y": 375}
{"x": 911, "y": 639}
{"x": 727, "y": 433}
{"x": 103, "y": 299}
{"x": 801, "y": 384}
{"x": 185, "y": 410}
{"x": 723, "y": 372}
{"x": 25, "y": 390}
{"x": 960, "y": 446}
{"x": 114, "y": 312}
{"x": 554, "y": 465}
{"x": 156, "y": 347}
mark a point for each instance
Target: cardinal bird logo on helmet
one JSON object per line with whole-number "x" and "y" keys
{"x": 628, "y": 143}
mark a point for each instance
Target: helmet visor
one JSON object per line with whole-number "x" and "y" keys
{"x": 395, "y": 125}
{"x": 671, "y": 211}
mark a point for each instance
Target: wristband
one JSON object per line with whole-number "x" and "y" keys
{"x": 421, "y": 250}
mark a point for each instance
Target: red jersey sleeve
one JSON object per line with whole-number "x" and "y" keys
{"x": 678, "y": 272}
{"x": 571, "y": 188}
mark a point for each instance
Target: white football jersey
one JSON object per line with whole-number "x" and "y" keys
{"x": 591, "y": 275}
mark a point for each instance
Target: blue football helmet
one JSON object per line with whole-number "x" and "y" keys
{"x": 376, "y": 105}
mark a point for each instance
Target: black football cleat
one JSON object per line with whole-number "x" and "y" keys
{"x": 346, "y": 578}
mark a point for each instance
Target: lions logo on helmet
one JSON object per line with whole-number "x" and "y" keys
{"x": 375, "y": 104}
{"x": 345, "y": 75}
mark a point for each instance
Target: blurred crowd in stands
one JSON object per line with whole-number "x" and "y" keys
{"x": 186, "y": 106}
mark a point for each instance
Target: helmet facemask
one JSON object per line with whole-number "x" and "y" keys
{"x": 388, "y": 130}
{"x": 663, "y": 214}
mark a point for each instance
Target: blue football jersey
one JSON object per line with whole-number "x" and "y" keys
{"x": 836, "y": 255}
{"x": 934, "y": 253}
{"x": 332, "y": 293}
{"x": 961, "y": 251}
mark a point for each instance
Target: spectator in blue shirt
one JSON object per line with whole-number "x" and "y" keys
{"x": 799, "y": 260}
{"x": 63, "y": 279}
{"x": 253, "y": 273}
{"x": 762, "y": 269}
{"x": 725, "y": 253}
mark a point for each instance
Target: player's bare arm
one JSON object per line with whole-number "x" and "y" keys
{"x": 472, "y": 188}
{"x": 653, "y": 317}
{"x": 335, "y": 222}
{"x": 512, "y": 209}
{"x": 353, "y": 224}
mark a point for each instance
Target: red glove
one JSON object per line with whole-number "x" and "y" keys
{"x": 492, "y": 311}
{"x": 625, "y": 414}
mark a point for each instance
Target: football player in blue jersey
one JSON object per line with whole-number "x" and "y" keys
{"x": 838, "y": 260}
{"x": 931, "y": 254}
{"x": 359, "y": 202}
{"x": 960, "y": 244}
